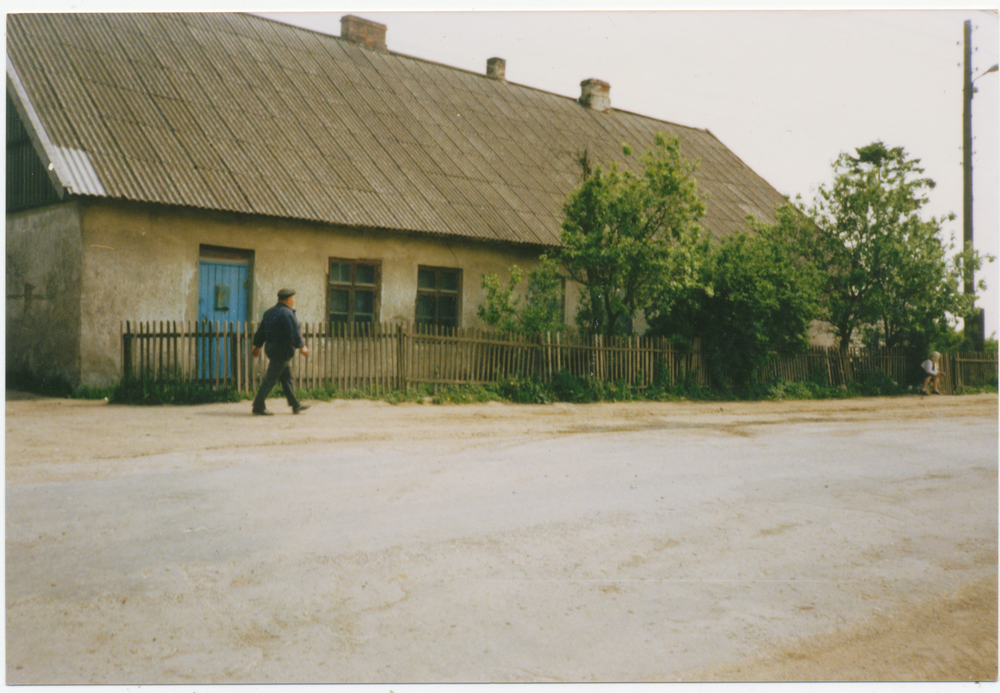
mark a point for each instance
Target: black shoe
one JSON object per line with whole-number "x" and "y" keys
{"x": 300, "y": 408}
{"x": 262, "y": 412}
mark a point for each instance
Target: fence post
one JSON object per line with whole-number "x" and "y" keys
{"x": 127, "y": 349}
{"x": 401, "y": 357}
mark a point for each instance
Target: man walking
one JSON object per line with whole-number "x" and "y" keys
{"x": 280, "y": 335}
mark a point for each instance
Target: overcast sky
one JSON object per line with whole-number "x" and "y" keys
{"x": 786, "y": 90}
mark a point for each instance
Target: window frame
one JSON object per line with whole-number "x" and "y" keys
{"x": 437, "y": 292}
{"x": 352, "y": 287}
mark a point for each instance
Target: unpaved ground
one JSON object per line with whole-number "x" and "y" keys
{"x": 364, "y": 542}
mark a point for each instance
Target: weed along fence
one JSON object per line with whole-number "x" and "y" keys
{"x": 383, "y": 357}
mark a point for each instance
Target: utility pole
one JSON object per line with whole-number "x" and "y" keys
{"x": 974, "y": 323}
{"x": 974, "y": 328}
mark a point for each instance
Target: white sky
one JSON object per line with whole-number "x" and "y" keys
{"x": 787, "y": 90}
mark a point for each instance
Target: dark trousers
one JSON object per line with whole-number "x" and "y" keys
{"x": 278, "y": 370}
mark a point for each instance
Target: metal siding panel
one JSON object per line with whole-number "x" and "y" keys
{"x": 428, "y": 218}
{"x": 473, "y": 223}
{"x": 175, "y": 113}
{"x": 290, "y": 193}
{"x": 68, "y": 31}
{"x": 323, "y": 200}
{"x": 135, "y": 49}
{"x": 132, "y": 143}
{"x": 209, "y": 123}
{"x": 77, "y": 172}
{"x": 154, "y": 186}
{"x": 199, "y": 149}
{"x": 156, "y": 80}
{"x": 225, "y": 191}
{"x": 192, "y": 186}
{"x": 107, "y": 100}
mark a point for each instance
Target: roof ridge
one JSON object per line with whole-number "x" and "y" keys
{"x": 467, "y": 71}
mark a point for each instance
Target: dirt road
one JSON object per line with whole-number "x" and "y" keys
{"x": 365, "y": 542}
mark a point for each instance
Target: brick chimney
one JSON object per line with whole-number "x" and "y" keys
{"x": 363, "y": 32}
{"x": 595, "y": 94}
{"x": 496, "y": 68}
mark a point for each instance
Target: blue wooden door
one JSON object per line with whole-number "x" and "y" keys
{"x": 223, "y": 297}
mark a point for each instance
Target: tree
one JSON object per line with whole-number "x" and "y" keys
{"x": 762, "y": 302}
{"x": 758, "y": 298}
{"x": 628, "y": 237}
{"x": 886, "y": 274}
{"x": 542, "y": 307}
{"x": 919, "y": 299}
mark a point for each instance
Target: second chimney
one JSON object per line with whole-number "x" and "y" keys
{"x": 595, "y": 94}
{"x": 496, "y": 68}
{"x": 363, "y": 32}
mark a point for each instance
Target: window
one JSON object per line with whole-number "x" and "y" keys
{"x": 439, "y": 296}
{"x": 353, "y": 296}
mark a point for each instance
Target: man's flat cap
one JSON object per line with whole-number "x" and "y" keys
{"x": 285, "y": 293}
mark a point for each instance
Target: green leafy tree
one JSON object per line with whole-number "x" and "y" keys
{"x": 758, "y": 298}
{"x": 500, "y": 307}
{"x": 919, "y": 300}
{"x": 886, "y": 276}
{"x": 629, "y": 237}
{"x": 540, "y": 310}
{"x": 762, "y": 302}
{"x": 545, "y": 299}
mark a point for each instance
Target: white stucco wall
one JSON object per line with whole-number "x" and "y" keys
{"x": 43, "y": 330}
{"x": 140, "y": 262}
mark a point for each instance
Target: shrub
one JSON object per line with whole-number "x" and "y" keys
{"x": 467, "y": 394}
{"x": 875, "y": 383}
{"x": 85, "y": 392}
{"x": 153, "y": 391}
{"x": 566, "y": 387}
{"x": 784, "y": 390}
{"x": 524, "y": 390}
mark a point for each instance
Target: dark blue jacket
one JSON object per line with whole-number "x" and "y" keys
{"x": 279, "y": 330}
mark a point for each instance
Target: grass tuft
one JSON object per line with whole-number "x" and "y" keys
{"x": 564, "y": 387}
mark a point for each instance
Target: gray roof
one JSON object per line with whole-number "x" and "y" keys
{"x": 240, "y": 113}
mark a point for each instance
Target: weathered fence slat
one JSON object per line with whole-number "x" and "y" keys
{"x": 377, "y": 357}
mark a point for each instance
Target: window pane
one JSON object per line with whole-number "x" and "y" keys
{"x": 364, "y": 274}
{"x": 448, "y": 311}
{"x": 449, "y": 281}
{"x": 340, "y": 272}
{"x": 340, "y": 301}
{"x": 425, "y": 309}
{"x": 425, "y": 279}
{"x": 364, "y": 303}
{"x": 339, "y": 318}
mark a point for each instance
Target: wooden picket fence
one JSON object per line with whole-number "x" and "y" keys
{"x": 382, "y": 357}
{"x": 969, "y": 368}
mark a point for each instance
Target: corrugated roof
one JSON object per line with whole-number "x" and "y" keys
{"x": 240, "y": 113}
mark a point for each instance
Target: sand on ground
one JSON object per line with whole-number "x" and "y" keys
{"x": 363, "y": 542}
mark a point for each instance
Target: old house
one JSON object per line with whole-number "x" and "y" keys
{"x": 186, "y": 166}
